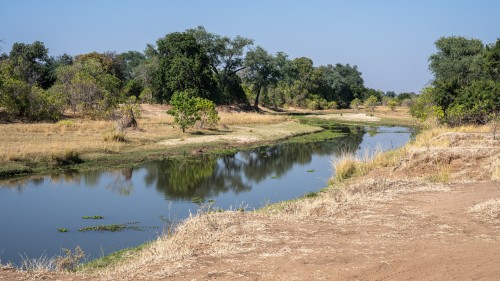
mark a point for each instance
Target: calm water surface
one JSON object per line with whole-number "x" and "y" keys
{"x": 148, "y": 197}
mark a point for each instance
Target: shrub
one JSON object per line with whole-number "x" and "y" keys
{"x": 187, "y": 110}
{"x": 392, "y": 104}
{"x": 371, "y": 103}
{"x": 70, "y": 261}
{"x": 355, "y": 104}
{"x": 207, "y": 112}
{"x": 114, "y": 135}
{"x": 333, "y": 105}
{"x": 68, "y": 157}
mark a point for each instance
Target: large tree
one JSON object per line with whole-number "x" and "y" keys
{"x": 226, "y": 57}
{"x": 260, "y": 72}
{"x": 181, "y": 63}
{"x": 345, "y": 81}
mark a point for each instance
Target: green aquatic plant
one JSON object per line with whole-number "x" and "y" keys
{"x": 62, "y": 229}
{"x": 311, "y": 171}
{"x": 112, "y": 227}
{"x": 92, "y": 217}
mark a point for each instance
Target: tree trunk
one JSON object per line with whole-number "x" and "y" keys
{"x": 256, "y": 104}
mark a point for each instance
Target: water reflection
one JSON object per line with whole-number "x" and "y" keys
{"x": 207, "y": 176}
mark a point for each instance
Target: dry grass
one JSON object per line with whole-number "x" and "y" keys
{"x": 216, "y": 234}
{"x": 349, "y": 165}
{"x": 247, "y": 118}
{"x": 38, "y": 142}
{"x": 486, "y": 211}
{"x": 442, "y": 175}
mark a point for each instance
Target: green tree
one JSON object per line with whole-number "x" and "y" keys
{"x": 226, "y": 57}
{"x": 345, "y": 83}
{"x": 89, "y": 88}
{"x": 260, "y": 72}
{"x": 458, "y": 59}
{"x": 180, "y": 64}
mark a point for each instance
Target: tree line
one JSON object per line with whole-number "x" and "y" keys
{"x": 221, "y": 69}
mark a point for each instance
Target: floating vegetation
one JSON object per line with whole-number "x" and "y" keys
{"x": 92, "y": 217}
{"x": 311, "y": 171}
{"x": 211, "y": 201}
{"x": 274, "y": 177}
{"x": 62, "y": 229}
{"x": 197, "y": 200}
{"x": 113, "y": 227}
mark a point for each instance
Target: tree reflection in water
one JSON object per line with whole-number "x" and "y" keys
{"x": 207, "y": 176}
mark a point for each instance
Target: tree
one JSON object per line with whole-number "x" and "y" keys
{"x": 181, "y": 64}
{"x": 89, "y": 88}
{"x": 260, "y": 72}
{"x": 345, "y": 82}
{"x": 29, "y": 63}
{"x": 226, "y": 57}
{"x": 458, "y": 59}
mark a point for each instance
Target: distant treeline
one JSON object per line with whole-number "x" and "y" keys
{"x": 36, "y": 86}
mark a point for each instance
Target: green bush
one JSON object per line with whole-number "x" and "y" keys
{"x": 355, "y": 104}
{"x": 187, "y": 110}
{"x": 208, "y": 116}
{"x": 392, "y": 104}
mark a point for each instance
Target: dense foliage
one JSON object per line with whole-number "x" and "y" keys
{"x": 466, "y": 84}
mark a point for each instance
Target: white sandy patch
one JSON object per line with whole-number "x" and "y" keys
{"x": 348, "y": 117}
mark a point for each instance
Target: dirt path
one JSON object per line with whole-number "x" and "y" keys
{"x": 386, "y": 226}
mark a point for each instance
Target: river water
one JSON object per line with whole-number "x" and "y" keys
{"x": 148, "y": 198}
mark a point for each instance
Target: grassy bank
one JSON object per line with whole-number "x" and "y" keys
{"x": 86, "y": 144}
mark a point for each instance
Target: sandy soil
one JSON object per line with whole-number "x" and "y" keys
{"x": 395, "y": 223}
{"x": 353, "y": 117}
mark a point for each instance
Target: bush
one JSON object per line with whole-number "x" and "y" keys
{"x": 187, "y": 110}
{"x": 332, "y": 105}
{"x": 355, "y": 104}
{"x": 207, "y": 112}
{"x": 392, "y": 104}
{"x": 371, "y": 103}
{"x": 68, "y": 157}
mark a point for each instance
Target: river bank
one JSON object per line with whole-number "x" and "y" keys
{"x": 76, "y": 144}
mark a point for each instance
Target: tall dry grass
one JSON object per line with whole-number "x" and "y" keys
{"x": 350, "y": 165}
{"x": 247, "y": 118}
{"x": 41, "y": 142}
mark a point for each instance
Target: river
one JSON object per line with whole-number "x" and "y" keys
{"x": 148, "y": 199}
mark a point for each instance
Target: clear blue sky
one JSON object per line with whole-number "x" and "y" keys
{"x": 389, "y": 41}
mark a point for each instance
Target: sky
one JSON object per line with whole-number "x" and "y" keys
{"x": 389, "y": 41}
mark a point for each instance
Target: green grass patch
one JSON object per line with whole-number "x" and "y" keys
{"x": 111, "y": 227}
{"x": 14, "y": 169}
{"x": 92, "y": 217}
{"x": 112, "y": 259}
